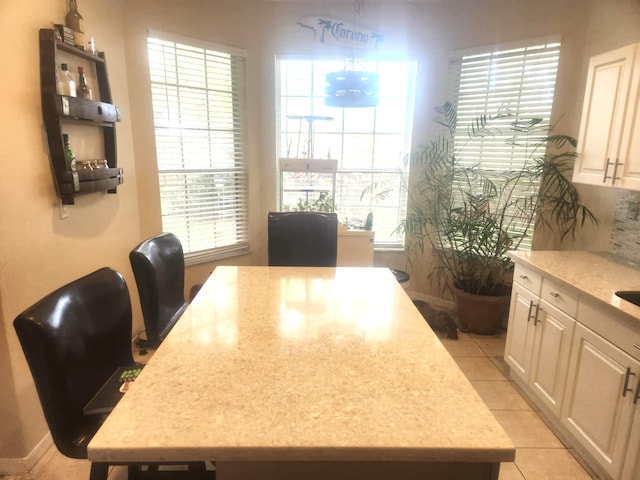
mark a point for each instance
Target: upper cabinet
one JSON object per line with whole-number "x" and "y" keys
{"x": 61, "y": 112}
{"x": 609, "y": 142}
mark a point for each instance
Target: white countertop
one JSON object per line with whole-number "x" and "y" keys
{"x": 599, "y": 275}
{"x": 280, "y": 363}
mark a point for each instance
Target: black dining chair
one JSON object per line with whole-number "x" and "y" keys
{"x": 158, "y": 267}
{"x": 302, "y": 239}
{"x": 74, "y": 339}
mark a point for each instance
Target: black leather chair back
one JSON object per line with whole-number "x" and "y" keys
{"x": 73, "y": 340}
{"x": 158, "y": 266}
{"x": 303, "y": 239}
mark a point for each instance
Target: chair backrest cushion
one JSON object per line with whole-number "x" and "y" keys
{"x": 74, "y": 339}
{"x": 158, "y": 267}
{"x": 303, "y": 239}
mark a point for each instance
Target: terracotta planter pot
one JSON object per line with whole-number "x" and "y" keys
{"x": 481, "y": 314}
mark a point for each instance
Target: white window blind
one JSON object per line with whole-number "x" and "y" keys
{"x": 198, "y": 109}
{"x": 368, "y": 143}
{"x": 521, "y": 80}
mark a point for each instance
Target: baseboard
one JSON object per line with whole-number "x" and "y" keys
{"x": 19, "y": 466}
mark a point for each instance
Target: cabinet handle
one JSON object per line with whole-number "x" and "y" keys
{"x": 615, "y": 172}
{"x": 606, "y": 169}
{"x": 635, "y": 345}
{"x": 554, "y": 294}
{"x": 535, "y": 318}
{"x": 636, "y": 397}
{"x": 626, "y": 388}
{"x": 524, "y": 277}
{"x": 529, "y": 312}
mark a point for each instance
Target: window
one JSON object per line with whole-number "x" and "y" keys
{"x": 368, "y": 143}
{"x": 520, "y": 79}
{"x": 198, "y": 109}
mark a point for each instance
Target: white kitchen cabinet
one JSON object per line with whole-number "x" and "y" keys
{"x": 599, "y": 408}
{"x": 520, "y": 332}
{"x": 609, "y": 141}
{"x": 631, "y": 468}
{"x": 550, "y": 356}
{"x": 538, "y": 340}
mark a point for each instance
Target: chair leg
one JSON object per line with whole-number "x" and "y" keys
{"x": 99, "y": 471}
{"x": 133, "y": 472}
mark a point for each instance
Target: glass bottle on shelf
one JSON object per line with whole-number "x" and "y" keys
{"x": 84, "y": 166}
{"x": 83, "y": 89}
{"x": 68, "y": 154}
{"x": 75, "y": 22}
{"x": 66, "y": 84}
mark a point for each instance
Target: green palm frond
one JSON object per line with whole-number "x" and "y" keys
{"x": 466, "y": 213}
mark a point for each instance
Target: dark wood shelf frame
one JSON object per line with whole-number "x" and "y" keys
{"x": 58, "y": 110}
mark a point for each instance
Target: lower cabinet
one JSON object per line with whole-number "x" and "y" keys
{"x": 537, "y": 346}
{"x": 579, "y": 361}
{"x": 520, "y": 332}
{"x": 551, "y": 355}
{"x": 631, "y": 468}
{"x": 599, "y": 407}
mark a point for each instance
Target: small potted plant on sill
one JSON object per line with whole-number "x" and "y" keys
{"x": 471, "y": 217}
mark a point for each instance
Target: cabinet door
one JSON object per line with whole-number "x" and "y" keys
{"x": 520, "y": 331}
{"x": 629, "y": 168}
{"x": 597, "y": 410}
{"x": 603, "y": 114}
{"x": 550, "y": 360}
{"x": 631, "y": 469}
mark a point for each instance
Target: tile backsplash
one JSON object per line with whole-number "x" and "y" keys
{"x": 625, "y": 234}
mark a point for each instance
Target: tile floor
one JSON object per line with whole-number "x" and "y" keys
{"x": 539, "y": 453}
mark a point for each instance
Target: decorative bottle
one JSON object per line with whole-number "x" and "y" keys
{"x": 83, "y": 89}
{"x": 66, "y": 85}
{"x": 75, "y": 22}
{"x": 68, "y": 153}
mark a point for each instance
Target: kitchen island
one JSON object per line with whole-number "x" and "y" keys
{"x": 281, "y": 372}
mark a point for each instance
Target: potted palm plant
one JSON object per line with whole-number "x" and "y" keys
{"x": 471, "y": 217}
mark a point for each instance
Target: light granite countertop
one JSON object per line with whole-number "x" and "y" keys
{"x": 301, "y": 364}
{"x": 598, "y": 275}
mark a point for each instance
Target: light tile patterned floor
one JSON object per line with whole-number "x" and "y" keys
{"x": 539, "y": 453}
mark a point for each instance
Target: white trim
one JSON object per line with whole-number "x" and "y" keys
{"x": 18, "y": 466}
{"x": 195, "y": 42}
{"x": 215, "y": 254}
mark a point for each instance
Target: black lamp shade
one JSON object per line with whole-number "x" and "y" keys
{"x": 349, "y": 88}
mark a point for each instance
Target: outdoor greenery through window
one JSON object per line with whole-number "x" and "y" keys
{"x": 519, "y": 80}
{"x": 198, "y": 109}
{"x": 369, "y": 143}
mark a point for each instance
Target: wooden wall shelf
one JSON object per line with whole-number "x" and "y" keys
{"x": 59, "y": 111}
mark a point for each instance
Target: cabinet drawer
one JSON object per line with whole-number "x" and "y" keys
{"x": 560, "y": 297}
{"x": 528, "y": 278}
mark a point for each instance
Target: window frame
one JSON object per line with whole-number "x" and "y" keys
{"x": 231, "y": 199}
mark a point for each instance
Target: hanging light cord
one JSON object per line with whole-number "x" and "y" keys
{"x": 357, "y": 7}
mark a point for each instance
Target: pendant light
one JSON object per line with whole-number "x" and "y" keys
{"x": 352, "y": 87}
